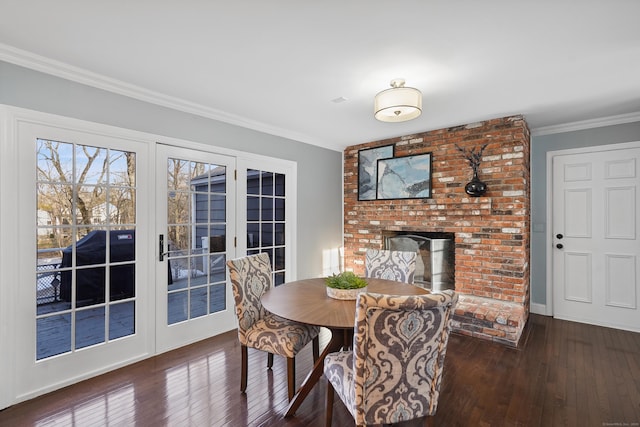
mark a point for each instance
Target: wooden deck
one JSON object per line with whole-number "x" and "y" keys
{"x": 564, "y": 374}
{"x": 54, "y": 332}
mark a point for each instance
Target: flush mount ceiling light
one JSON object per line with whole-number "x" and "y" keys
{"x": 399, "y": 103}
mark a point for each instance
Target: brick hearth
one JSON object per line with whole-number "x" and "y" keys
{"x": 491, "y": 232}
{"x": 490, "y": 319}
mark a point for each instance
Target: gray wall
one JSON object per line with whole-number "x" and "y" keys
{"x": 540, "y": 146}
{"x": 319, "y": 170}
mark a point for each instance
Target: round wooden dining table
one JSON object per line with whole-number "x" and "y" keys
{"x": 306, "y": 301}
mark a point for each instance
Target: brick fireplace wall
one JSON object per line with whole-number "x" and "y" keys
{"x": 491, "y": 232}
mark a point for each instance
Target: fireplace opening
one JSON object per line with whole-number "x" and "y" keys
{"x": 435, "y": 264}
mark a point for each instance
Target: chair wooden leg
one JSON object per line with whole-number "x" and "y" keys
{"x": 329, "y": 409}
{"x": 291, "y": 376}
{"x": 243, "y": 368}
{"x": 316, "y": 349}
{"x": 269, "y": 360}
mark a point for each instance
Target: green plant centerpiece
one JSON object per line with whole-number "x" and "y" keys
{"x": 345, "y": 285}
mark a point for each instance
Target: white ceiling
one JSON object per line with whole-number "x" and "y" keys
{"x": 276, "y": 65}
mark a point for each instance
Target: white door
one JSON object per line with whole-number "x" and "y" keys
{"x": 82, "y": 283}
{"x": 596, "y": 248}
{"x": 266, "y": 213}
{"x": 195, "y": 237}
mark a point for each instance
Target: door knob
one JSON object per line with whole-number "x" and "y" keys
{"x": 559, "y": 236}
{"x": 559, "y": 246}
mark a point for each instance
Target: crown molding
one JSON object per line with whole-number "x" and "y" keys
{"x": 587, "y": 124}
{"x": 79, "y": 75}
{"x": 60, "y": 69}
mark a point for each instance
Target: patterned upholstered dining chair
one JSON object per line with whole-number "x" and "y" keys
{"x": 391, "y": 265}
{"x": 259, "y": 329}
{"x": 395, "y": 369}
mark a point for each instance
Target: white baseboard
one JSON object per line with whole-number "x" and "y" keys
{"x": 539, "y": 309}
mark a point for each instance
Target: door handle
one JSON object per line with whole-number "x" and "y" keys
{"x": 559, "y": 246}
{"x": 161, "y": 252}
{"x": 559, "y": 236}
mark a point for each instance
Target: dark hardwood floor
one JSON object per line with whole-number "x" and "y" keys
{"x": 563, "y": 374}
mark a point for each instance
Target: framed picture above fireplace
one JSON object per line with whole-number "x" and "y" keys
{"x": 367, "y": 170}
{"x": 407, "y": 177}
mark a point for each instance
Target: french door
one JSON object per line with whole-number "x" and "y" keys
{"x": 120, "y": 245}
{"x": 82, "y": 271}
{"x": 195, "y": 237}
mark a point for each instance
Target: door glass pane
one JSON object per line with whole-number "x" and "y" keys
{"x": 266, "y": 209}
{"x": 85, "y": 236}
{"x": 253, "y": 235}
{"x": 122, "y": 194}
{"x": 253, "y": 208}
{"x": 54, "y": 335}
{"x": 279, "y": 234}
{"x": 87, "y": 333}
{"x": 218, "y": 208}
{"x": 267, "y": 233}
{"x": 90, "y": 286}
{"x": 89, "y": 164}
{"x": 267, "y": 183}
{"x": 217, "y": 296}
{"x": 121, "y": 280}
{"x": 177, "y": 303}
{"x": 217, "y": 268}
{"x": 198, "y": 302}
{"x": 266, "y": 218}
{"x": 91, "y": 204}
{"x": 122, "y": 320}
{"x": 196, "y": 229}
{"x": 279, "y": 211}
{"x": 122, "y": 169}
{"x": 279, "y": 185}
